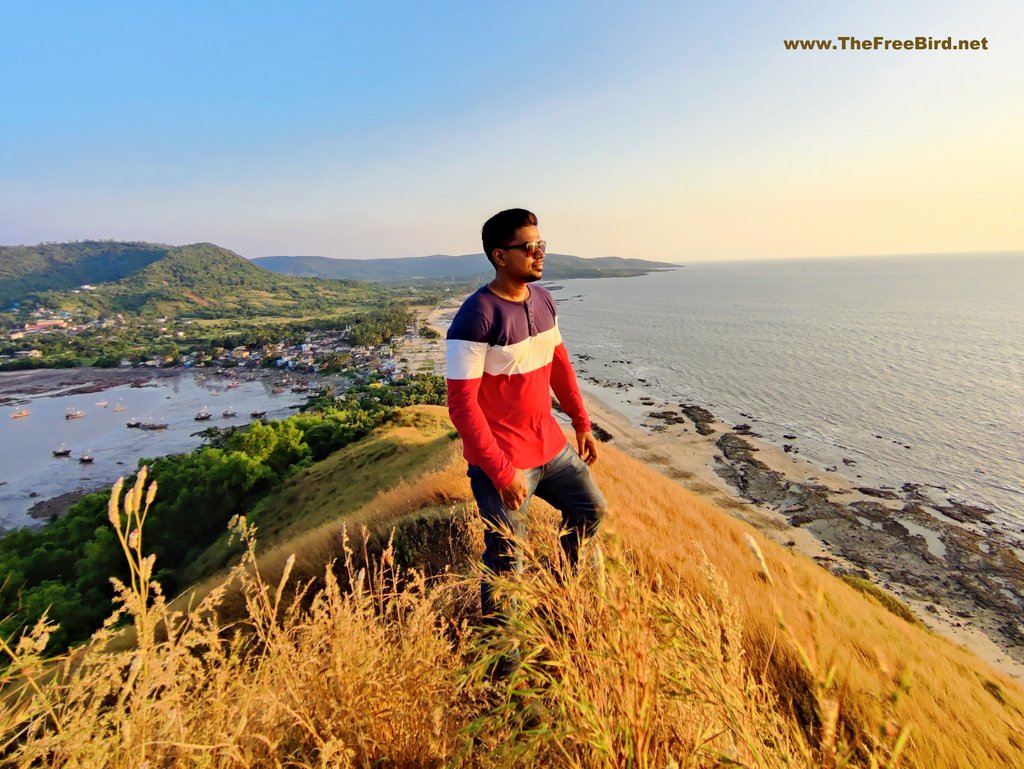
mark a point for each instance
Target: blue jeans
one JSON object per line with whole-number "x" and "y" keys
{"x": 566, "y": 484}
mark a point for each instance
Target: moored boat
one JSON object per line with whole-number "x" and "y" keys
{"x": 63, "y": 451}
{"x": 86, "y": 458}
{"x": 257, "y": 414}
{"x": 153, "y": 425}
{"x": 101, "y": 404}
{"x": 20, "y": 414}
{"x": 133, "y": 423}
{"x": 74, "y": 414}
{"x": 120, "y": 407}
{"x": 230, "y": 412}
{"x": 203, "y": 414}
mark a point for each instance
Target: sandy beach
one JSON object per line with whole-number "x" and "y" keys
{"x": 946, "y": 563}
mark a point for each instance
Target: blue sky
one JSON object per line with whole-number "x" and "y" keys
{"x": 674, "y": 131}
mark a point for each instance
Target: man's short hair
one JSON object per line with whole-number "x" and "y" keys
{"x": 499, "y": 230}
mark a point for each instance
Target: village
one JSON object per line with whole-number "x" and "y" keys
{"x": 318, "y": 351}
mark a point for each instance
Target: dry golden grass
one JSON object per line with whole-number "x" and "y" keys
{"x": 690, "y": 642}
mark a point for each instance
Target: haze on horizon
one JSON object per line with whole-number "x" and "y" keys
{"x": 657, "y": 130}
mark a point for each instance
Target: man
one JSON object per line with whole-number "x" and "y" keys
{"x": 505, "y": 355}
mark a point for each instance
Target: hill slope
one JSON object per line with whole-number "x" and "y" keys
{"x": 684, "y": 643}
{"x": 59, "y": 266}
{"x": 962, "y": 713}
{"x": 198, "y": 280}
{"x": 443, "y": 267}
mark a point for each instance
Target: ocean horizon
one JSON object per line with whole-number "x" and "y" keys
{"x": 910, "y": 366}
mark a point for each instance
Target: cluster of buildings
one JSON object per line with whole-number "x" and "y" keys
{"x": 319, "y": 350}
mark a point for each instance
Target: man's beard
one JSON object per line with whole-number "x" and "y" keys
{"x": 532, "y": 278}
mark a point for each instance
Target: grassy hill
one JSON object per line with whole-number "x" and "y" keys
{"x": 443, "y": 267}
{"x": 691, "y": 642}
{"x": 59, "y": 266}
{"x": 199, "y": 280}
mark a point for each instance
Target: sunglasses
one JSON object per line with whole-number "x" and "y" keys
{"x": 532, "y": 248}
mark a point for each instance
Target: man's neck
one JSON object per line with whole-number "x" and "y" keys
{"x": 512, "y": 290}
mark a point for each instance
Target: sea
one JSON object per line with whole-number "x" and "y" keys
{"x": 912, "y": 367}
{"x": 30, "y": 473}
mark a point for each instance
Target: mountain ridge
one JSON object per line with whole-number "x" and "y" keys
{"x": 446, "y": 266}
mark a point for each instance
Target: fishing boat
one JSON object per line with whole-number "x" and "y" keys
{"x": 101, "y": 404}
{"x": 151, "y": 425}
{"x": 133, "y": 423}
{"x": 257, "y": 414}
{"x": 120, "y": 407}
{"x": 20, "y": 414}
{"x": 63, "y": 451}
{"x": 232, "y": 384}
{"x": 276, "y": 390}
{"x": 86, "y": 458}
{"x": 74, "y": 414}
{"x": 301, "y": 388}
{"x": 230, "y": 412}
{"x": 203, "y": 414}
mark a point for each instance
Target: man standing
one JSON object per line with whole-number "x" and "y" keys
{"x": 505, "y": 355}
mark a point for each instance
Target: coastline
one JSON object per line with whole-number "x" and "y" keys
{"x": 894, "y": 558}
{"x": 956, "y": 571}
{"x": 53, "y": 382}
{"x": 945, "y": 561}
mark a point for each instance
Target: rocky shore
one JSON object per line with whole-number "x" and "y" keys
{"x": 944, "y": 559}
{"x": 962, "y": 575}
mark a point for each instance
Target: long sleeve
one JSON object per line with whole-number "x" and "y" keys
{"x": 563, "y": 382}
{"x": 465, "y": 360}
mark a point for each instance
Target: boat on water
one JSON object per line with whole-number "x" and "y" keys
{"x": 86, "y": 458}
{"x": 203, "y": 414}
{"x": 101, "y": 404}
{"x": 301, "y": 388}
{"x": 276, "y": 390}
{"x": 257, "y": 414}
{"x": 232, "y": 384}
{"x": 74, "y": 414}
{"x": 133, "y": 423}
{"x": 63, "y": 451}
{"x": 151, "y": 425}
{"x": 230, "y": 412}
{"x": 20, "y": 414}
{"x": 120, "y": 407}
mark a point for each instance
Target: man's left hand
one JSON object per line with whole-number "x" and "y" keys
{"x": 587, "y": 445}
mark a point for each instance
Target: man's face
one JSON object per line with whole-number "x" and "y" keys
{"x": 518, "y": 264}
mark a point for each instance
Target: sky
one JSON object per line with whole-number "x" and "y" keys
{"x": 679, "y": 131}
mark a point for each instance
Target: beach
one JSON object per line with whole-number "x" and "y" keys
{"x": 957, "y": 572}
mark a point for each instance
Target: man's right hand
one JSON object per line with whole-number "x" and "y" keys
{"x": 514, "y": 494}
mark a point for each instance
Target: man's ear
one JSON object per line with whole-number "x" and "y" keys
{"x": 498, "y": 257}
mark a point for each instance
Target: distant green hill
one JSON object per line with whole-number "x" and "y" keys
{"x": 198, "y": 280}
{"x": 441, "y": 266}
{"x": 57, "y": 266}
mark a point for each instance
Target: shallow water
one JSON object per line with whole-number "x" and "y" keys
{"x": 26, "y": 445}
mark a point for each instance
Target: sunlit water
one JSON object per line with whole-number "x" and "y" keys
{"x": 926, "y": 352}
{"x": 26, "y": 445}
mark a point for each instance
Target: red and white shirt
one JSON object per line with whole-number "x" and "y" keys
{"x": 504, "y": 359}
